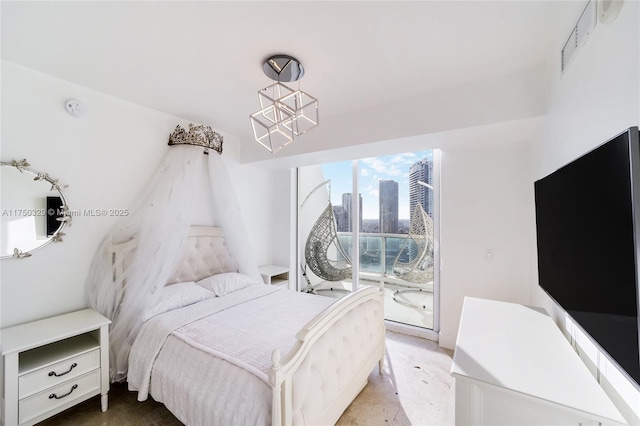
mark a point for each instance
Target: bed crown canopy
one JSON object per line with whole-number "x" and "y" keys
{"x": 159, "y": 220}
{"x": 199, "y": 135}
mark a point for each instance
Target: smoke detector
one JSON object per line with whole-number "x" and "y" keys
{"x": 608, "y": 10}
{"x": 74, "y": 107}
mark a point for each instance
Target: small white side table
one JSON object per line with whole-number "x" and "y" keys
{"x": 53, "y": 364}
{"x": 275, "y": 275}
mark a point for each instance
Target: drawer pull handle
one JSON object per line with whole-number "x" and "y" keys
{"x": 53, "y": 373}
{"x": 53, "y": 395}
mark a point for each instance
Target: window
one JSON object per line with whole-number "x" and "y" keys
{"x": 386, "y": 235}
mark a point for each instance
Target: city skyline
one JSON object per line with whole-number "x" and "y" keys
{"x": 370, "y": 172}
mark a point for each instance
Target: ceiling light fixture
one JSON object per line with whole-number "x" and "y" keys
{"x": 284, "y": 113}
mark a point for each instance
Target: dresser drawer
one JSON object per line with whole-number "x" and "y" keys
{"x": 56, "y": 373}
{"x": 34, "y": 350}
{"x": 50, "y": 399}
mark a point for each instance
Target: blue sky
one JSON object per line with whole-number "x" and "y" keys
{"x": 370, "y": 171}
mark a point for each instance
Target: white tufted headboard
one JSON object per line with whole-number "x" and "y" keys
{"x": 204, "y": 254}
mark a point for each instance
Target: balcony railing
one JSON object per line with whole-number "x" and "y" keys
{"x": 378, "y": 253}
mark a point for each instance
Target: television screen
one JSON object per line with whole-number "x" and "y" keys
{"x": 585, "y": 224}
{"x": 53, "y": 213}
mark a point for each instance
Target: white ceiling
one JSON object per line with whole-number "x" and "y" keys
{"x": 202, "y": 61}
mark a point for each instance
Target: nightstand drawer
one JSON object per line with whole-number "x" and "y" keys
{"x": 50, "y": 399}
{"x": 72, "y": 347}
{"x": 56, "y": 373}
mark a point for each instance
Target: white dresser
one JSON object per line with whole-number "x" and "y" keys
{"x": 513, "y": 366}
{"x": 53, "y": 364}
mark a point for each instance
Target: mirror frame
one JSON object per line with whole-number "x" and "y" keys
{"x": 23, "y": 166}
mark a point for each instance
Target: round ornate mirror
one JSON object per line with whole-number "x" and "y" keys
{"x": 33, "y": 210}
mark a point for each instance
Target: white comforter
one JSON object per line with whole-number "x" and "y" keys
{"x": 209, "y": 362}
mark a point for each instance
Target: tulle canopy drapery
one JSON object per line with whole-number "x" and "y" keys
{"x": 160, "y": 220}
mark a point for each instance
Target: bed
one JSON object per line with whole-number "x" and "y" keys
{"x": 252, "y": 353}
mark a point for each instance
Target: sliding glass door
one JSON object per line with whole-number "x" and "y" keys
{"x": 386, "y": 235}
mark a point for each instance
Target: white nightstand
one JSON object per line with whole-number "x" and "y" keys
{"x": 275, "y": 275}
{"x": 53, "y": 364}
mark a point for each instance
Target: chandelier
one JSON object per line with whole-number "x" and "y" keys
{"x": 285, "y": 113}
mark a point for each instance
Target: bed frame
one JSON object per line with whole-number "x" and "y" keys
{"x": 341, "y": 345}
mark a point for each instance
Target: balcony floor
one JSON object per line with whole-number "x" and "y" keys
{"x": 413, "y": 308}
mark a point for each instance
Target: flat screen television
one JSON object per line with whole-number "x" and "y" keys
{"x": 54, "y": 206}
{"x": 587, "y": 227}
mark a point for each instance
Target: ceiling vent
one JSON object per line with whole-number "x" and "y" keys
{"x": 580, "y": 32}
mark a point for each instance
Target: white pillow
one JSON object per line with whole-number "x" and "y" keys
{"x": 226, "y": 283}
{"x": 176, "y": 296}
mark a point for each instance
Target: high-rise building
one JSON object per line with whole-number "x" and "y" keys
{"x": 422, "y": 171}
{"x": 388, "y": 198}
{"x": 347, "y": 200}
{"x": 346, "y": 204}
{"x": 342, "y": 221}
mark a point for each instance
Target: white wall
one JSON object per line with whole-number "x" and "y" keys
{"x": 280, "y": 223}
{"x": 105, "y": 157}
{"x": 486, "y": 205}
{"x": 597, "y": 97}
